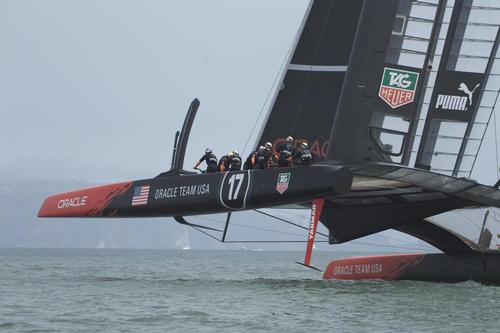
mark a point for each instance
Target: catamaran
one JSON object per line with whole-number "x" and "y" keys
{"x": 394, "y": 98}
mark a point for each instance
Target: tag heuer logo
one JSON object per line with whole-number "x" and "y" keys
{"x": 283, "y": 181}
{"x": 398, "y": 87}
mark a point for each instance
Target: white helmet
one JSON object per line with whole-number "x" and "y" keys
{"x": 269, "y": 145}
{"x": 303, "y": 145}
{"x": 235, "y": 152}
{"x": 289, "y": 139}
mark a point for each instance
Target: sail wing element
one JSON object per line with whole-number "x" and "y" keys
{"x": 307, "y": 98}
{"x": 465, "y": 90}
{"x": 385, "y": 196}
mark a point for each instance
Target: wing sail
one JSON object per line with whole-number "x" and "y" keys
{"x": 307, "y": 98}
{"x": 465, "y": 87}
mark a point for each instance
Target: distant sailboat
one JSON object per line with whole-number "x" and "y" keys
{"x": 101, "y": 244}
{"x": 183, "y": 240}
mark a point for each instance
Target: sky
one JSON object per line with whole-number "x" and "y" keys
{"x": 95, "y": 90}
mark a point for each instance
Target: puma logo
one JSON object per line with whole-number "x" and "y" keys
{"x": 454, "y": 102}
{"x": 463, "y": 87}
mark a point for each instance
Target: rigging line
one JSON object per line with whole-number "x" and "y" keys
{"x": 263, "y": 229}
{"x": 305, "y": 218}
{"x": 473, "y": 223}
{"x": 288, "y": 222}
{"x": 387, "y": 246}
{"x": 295, "y": 214}
{"x": 318, "y": 241}
{"x": 297, "y": 241}
{"x": 427, "y": 246}
{"x": 254, "y": 241}
{"x": 484, "y": 133}
{"x": 206, "y": 233}
{"x": 271, "y": 89}
{"x": 309, "y": 74}
{"x": 420, "y": 248}
{"x": 495, "y": 216}
{"x": 424, "y": 246}
{"x": 272, "y": 241}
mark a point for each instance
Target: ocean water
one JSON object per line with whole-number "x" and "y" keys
{"x": 62, "y": 290}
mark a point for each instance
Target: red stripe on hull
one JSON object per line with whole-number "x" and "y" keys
{"x": 388, "y": 267}
{"x": 82, "y": 203}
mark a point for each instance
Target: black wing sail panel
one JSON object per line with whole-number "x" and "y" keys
{"x": 459, "y": 105}
{"x": 308, "y": 96}
{"x": 378, "y": 107}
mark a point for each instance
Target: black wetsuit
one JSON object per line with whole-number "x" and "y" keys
{"x": 304, "y": 156}
{"x": 262, "y": 158}
{"x": 285, "y": 154}
{"x": 211, "y": 160}
{"x": 224, "y": 162}
{"x": 249, "y": 162}
{"x": 235, "y": 163}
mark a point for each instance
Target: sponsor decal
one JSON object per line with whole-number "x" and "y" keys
{"x": 141, "y": 194}
{"x": 358, "y": 269}
{"x": 234, "y": 189}
{"x": 314, "y": 220}
{"x": 283, "y": 181}
{"x": 181, "y": 191}
{"x": 72, "y": 202}
{"x": 398, "y": 87}
{"x": 457, "y": 102}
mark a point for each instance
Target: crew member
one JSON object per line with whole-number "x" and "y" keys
{"x": 211, "y": 160}
{"x": 224, "y": 161}
{"x": 235, "y": 161}
{"x": 250, "y": 161}
{"x": 285, "y": 153}
{"x": 304, "y": 156}
{"x": 263, "y": 156}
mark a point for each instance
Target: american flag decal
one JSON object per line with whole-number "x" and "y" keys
{"x": 140, "y": 196}
{"x": 283, "y": 181}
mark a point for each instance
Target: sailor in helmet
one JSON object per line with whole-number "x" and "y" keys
{"x": 286, "y": 152}
{"x": 303, "y": 155}
{"x": 224, "y": 162}
{"x": 235, "y": 161}
{"x": 263, "y": 156}
{"x": 211, "y": 160}
{"x": 251, "y": 159}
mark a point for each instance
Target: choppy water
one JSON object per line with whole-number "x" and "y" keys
{"x": 222, "y": 291}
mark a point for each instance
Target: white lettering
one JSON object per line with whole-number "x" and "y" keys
{"x": 450, "y": 102}
{"x": 72, "y": 202}
{"x": 181, "y": 191}
{"x": 400, "y": 80}
{"x": 343, "y": 270}
{"x": 376, "y": 268}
